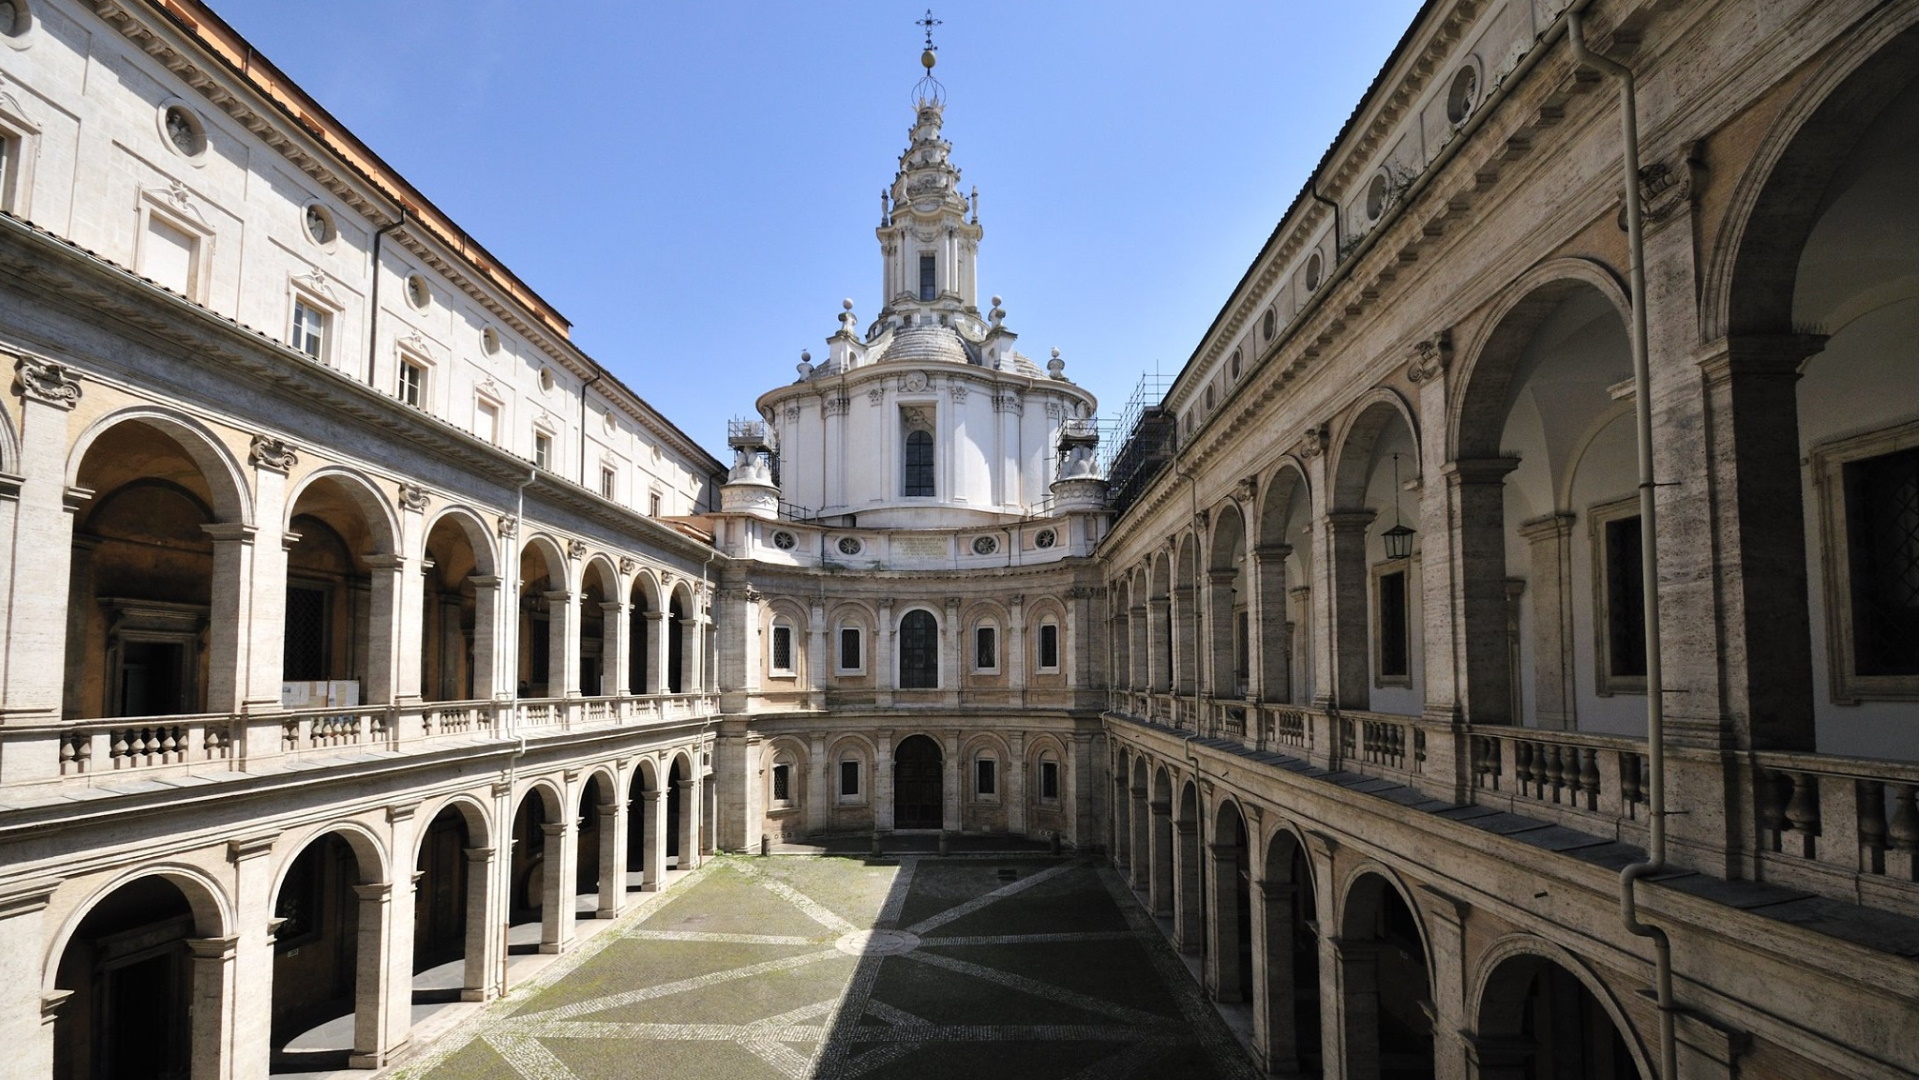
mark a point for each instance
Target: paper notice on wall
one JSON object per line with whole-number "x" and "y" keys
{"x": 296, "y": 695}
{"x": 343, "y": 694}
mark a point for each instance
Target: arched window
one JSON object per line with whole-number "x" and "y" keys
{"x": 919, "y": 651}
{"x": 919, "y": 463}
{"x": 782, "y": 651}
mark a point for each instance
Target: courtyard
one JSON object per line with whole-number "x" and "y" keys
{"x": 789, "y": 967}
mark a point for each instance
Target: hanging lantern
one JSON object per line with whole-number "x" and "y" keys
{"x": 1399, "y": 539}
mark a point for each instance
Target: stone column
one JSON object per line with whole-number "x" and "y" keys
{"x": 1550, "y": 583}
{"x": 1350, "y": 637}
{"x": 210, "y": 1012}
{"x": 954, "y": 782}
{"x": 1158, "y": 872}
{"x": 1352, "y": 968}
{"x": 1267, "y": 623}
{"x": 1017, "y": 650}
{"x": 654, "y": 852}
{"x": 482, "y": 944}
{"x": 817, "y": 651}
{"x": 563, "y": 643}
{"x": 250, "y": 1036}
{"x": 556, "y": 888}
{"x": 26, "y": 1015}
{"x": 697, "y": 648}
{"x": 1080, "y": 788}
{"x": 1223, "y": 930}
{"x": 689, "y": 823}
{"x": 662, "y": 625}
{"x": 1184, "y": 648}
{"x": 1221, "y": 681}
{"x": 885, "y": 676}
{"x": 820, "y": 790}
{"x": 1447, "y": 962}
{"x": 402, "y": 833}
{"x": 953, "y": 654}
{"x": 1139, "y": 861}
{"x": 1016, "y": 782}
{"x": 40, "y": 559}
{"x": 1139, "y": 671}
{"x": 373, "y": 1035}
{"x": 492, "y": 670}
{"x": 613, "y": 857}
{"x": 391, "y": 624}
{"x": 1476, "y": 491}
{"x": 1157, "y": 653}
{"x": 883, "y": 781}
{"x": 615, "y": 653}
{"x": 229, "y": 630}
{"x": 1121, "y": 834}
{"x": 1276, "y": 1043}
{"x": 261, "y": 654}
{"x": 1186, "y": 886}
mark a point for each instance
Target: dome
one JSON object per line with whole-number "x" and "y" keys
{"x": 935, "y": 343}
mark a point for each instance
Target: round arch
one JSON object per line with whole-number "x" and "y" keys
{"x": 365, "y": 496}
{"x": 368, "y": 851}
{"x": 1366, "y": 421}
{"x": 226, "y": 480}
{"x": 1484, "y": 992}
{"x": 212, "y": 909}
{"x": 1350, "y": 902}
{"x": 472, "y": 528}
{"x": 1287, "y": 481}
{"x": 471, "y": 810}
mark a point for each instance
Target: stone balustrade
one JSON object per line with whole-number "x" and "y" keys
{"x": 1596, "y": 783}
{"x": 105, "y": 751}
{"x": 1836, "y": 824}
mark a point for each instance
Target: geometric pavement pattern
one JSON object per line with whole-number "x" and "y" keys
{"x": 795, "y": 968}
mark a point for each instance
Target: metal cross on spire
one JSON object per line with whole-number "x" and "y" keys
{"x": 928, "y": 22}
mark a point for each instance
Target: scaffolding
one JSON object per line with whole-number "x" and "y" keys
{"x": 1138, "y": 441}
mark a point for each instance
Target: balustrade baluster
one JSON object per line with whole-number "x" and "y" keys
{"x": 1803, "y": 810}
{"x": 1556, "y": 769}
{"x": 1590, "y": 777}
{"x": 1870, "y": 805}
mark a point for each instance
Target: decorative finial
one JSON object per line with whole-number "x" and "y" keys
{"x": 1056, "y": 366}
{"x": 973, "y": 200}
{"x": 928, "y": 90}
{"x": 847, "y": 303}
{"x": 805, "y": 366}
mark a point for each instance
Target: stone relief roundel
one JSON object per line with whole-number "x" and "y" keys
{"x": 783, "y": 540}
{"x": 849, "y": 545}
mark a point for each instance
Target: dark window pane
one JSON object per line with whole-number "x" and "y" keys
{"x": 304, "y": 652}
{"x": 1049, "y": 645}
{"x": 849, "y": 648}
{"x": 926, "y": 277}
{"x": 919, "y": 462}
{"x": 1626, "y": 607}
{"x": 985, "y": 655}
{"x": 919, "y": 652}
{"x": 984, "y": 767}
{"x": 849, "y": 778}
{"x": 1049, "y": 780}
{"x": 781, "y": 791}
{"x": 1393, "y": 625}
{"x": 782, "y": 648}
{"x": 1881, "y": 525}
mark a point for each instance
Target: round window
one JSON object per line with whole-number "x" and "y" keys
{"x": 1045, "y": 538}
{"x": 13, "y": 18}
{"x": 418, "y": 294}
{"x": 1313, "y": 271}
{"x": 985, "y": 545}
{"x": 183, "y": 128}
{"x": 1463, "y": 94}
{"x": 1266, "y": 328}
{"x": 783, "y": 540}
{"x": 319, "y": 224}
{"x": 849, "y": 545}
{"x": 1377, "y": 197}
{"x": 490, "y": 341}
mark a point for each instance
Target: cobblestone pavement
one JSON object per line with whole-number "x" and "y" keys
{"x": 1009, "y": 968}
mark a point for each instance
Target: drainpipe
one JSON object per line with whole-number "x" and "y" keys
{"x": 373, "y": 310}
{"x": 598, "y": 374}
{"x": 1649, "y": 570}
{"x": 1313, "y": 191}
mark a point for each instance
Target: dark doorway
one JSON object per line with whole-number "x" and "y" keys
{"x": 130, "y": 974}
{"x": 152, "y": 679}
{"x": 917, "y": 794}
{"x": 440, "y": 898}
{"x": 674, "y": 778}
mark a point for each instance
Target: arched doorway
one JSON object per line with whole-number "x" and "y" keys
{"x": 1287, "y": 1001}
{"x": 676, "y": 631}
{"x": 1189, "y": 909}
{"x": 450, "y": 924}
{"x": 1232, "y": 923}
{"x": 919, "y": 651}
{"x": 1376, "y": 590}
{"x": 1158, "y": 829}
{"x": 458, "y": 615}
{"x": 918, "y": 796}
{"x": 330, "y": 906}
{"x": 646, "y": 847}
{"x": 643, "y": 618}
{"x": 1386, "y": 983}
{"x": 130, "y": 976}
{"x": 1539, "y": 1021}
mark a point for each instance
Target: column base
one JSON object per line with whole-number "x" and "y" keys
{"x": 554, "y": 948}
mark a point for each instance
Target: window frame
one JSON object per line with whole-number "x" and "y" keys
{"x": 781, "y": 625}
{"x": 542, "y": 449}
{"x": 909, "y": 468}
{"x": 409, "y": 362}
{"x": 609, "y": 481}
{"x": 900, "y": 660}
{"x": 1040, "y": 645}
{"x": 991, "y": 630}
{"x": 1827, "y": 463}
{"x": 22, "y": 139}
{"x": 302, "y": 298}
{"x": 858, "y": 631}
{"x": 929, "y": 284}
{"x": 858, "y": 796}
{"x": 1049, "y": 778}
{"x": 1386, "y": 568}
{"x": 782, "y": 764}
{"x": 1599, "y": 516}
{"x": 986, "y": 766}
{"x": 497, "y": 408}
{"x": 153, "y": 207}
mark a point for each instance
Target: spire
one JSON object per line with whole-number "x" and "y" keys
{"x": 928, "y": 90}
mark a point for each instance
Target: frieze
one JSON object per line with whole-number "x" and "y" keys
{"x": 45, "y": 380}
{"x": 1431, "y": 357}
{"x": 267, "y": 452}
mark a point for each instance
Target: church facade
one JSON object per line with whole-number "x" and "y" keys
{"x": 360, "y": 625}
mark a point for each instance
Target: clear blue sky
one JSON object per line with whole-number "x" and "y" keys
{"x": 695, "y": 186}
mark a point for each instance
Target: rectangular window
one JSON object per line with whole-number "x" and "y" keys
{"x": 849, "y": 778}
{"x": 926, "y": 277}
{"x": 917, "y": 479}
{"x": 607, "y": 478}
{"x": 986, "y": 651}
{"x": 782, "y": 785}
{"x": 542, "y": 450}
{"x": 653, "y": 504}
{"x": 9, "y": 157}
{"x": 783, "y": 648}
{"x": 309, "y": 329}
{"x": 486, "y": 421}
{"x": 1240, "y": 651}
{"x": 169, "y": 256}
{"x": 413, "y": 383}
{"x": 983, "y": 776}
{"x": 849, "y": 648}
{"x": 1049, "y": 647}
{"x": 1391, "y": 649}
{"x": 1881, "y": 518}
{"x": 1049, "y": 779}
{"x": 1626, "y": 607}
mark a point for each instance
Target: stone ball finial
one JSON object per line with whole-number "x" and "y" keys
{"x": 805, "y": 366}
{"x": 1056, "y": 365}
{"x": 847, "y": 303}
{"x": 996, "y": 301}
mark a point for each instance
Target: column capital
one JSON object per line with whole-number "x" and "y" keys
{"x": 378, "y": 892}
{"x": 554, "y": 828}
{"x": 1777, "y": 355}
{"x": 50, "y": 1003}
{"x": 217, "y": 948}
{"x": 26, "y": 898}
{"x": 250, "y": 847}
{"x": 1486, "y": 470}
{"x": 484, "y": 581}
{"x": 272, "y": 455}
{"x": 45, "y": 381}
{"x": 480, "y": 855}
{"x": 1352, "y": 520}
{"x": 1224, "y": 851}
{"x": 226, "y": 532}
{"x": 385, "y": 562}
